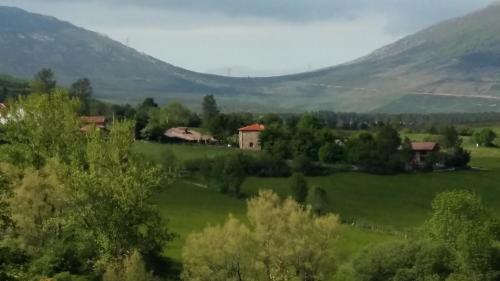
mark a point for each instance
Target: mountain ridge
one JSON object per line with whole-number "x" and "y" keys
{"x": 459, "y": 57}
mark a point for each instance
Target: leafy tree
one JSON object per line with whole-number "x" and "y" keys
{"x": 450, "y": 137}
{"x": 460, "y": 220}
{"x": 485, "y": 137}
{"x": 210, "y": 110}
{"x": 457, "y": 157}
{"x": 4, "y": 94}
{"x": 330, "y": 153}
{"x": 299, "y": 188}
{"x": 219, "y": 253}
{"x": 319, "y": 201}
{"x": 149, "y": 103}
{"x": 82, "y": 89}
{"x": 44, "y": 82}
{"x": 131, "y": 268}
{"x": 309, "y": 122}
{"x": 41, "y": 127}
{"x": 284, "y": 241}
{"x": 112, "y": 196}
{"x": 276, "y": 141}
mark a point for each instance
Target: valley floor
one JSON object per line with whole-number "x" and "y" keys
{"x": 374, "y": 208}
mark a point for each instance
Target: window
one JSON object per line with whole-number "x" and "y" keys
{"x": 251, "y": 145}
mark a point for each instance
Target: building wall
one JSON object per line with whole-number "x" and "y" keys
{"x": 249, "y": 140}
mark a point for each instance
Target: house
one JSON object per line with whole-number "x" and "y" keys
{"x": 421, "y": 151}
{"x": 188, "y": 135}
{"x": 249, "y": 136}
{"x": 89, "y": 121}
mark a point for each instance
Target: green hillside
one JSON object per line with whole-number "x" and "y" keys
{"x": 458, "y": 57}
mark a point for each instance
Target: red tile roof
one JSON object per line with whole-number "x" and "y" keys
{"x": 252, "y": 128}
{"x": 423, "y": 146}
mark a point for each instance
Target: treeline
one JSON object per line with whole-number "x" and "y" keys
{"x": 75, "y": 206}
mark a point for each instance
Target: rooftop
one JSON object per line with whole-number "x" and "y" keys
{"x": 252, "y": 128}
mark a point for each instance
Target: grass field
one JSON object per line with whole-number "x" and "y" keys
{"x": 380, "y": 206}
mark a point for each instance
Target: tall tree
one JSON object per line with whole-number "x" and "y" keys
{"x": 210, "y": 110}
{"x": 44, "y": 82}
{"x": 299, "y": 188}
{"x": 82, "y": 89}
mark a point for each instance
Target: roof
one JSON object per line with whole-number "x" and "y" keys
{"x": 423, "y": 146}
{"x": 93, "y": 119}
{"x": 187, "y": 134}
{"x": 252, "y": 128}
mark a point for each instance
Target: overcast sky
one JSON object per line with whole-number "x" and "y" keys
{"x": 253, "y": 37}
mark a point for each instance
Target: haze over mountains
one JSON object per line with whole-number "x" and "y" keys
{"x": 451, "y": 67}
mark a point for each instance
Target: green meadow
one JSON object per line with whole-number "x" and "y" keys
{"x": 374, "y": 208}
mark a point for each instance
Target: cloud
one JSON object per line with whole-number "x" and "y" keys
{"x": 402, "y": 14}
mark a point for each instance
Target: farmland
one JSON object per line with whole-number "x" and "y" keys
{"x": 375, "y": 208}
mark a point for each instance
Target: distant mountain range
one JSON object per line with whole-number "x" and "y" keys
{"x": 450, "y": 67}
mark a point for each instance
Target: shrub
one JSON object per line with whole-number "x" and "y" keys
{"x": 330, "y": 153}
{"x": 299, "y": 188}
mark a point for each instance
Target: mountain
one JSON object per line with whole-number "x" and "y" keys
{"x": 30, "y": 42}
{"x": 450, "y": 67}
{"x": 456, "y": 61}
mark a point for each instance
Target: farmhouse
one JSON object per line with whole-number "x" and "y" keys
{"x": 249, "y": 136}
{"x": 421, "y": 151}
{"x": 188, "y": 135}
{"x": 89, "y": 121}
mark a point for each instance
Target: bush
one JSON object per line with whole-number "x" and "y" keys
{"x": 299, "y": 188}
{"x": 457, "y": 157}
{"x": 303, "y": 164}
{"x": 331, "y": 153}
{"x": 485, "y": 137}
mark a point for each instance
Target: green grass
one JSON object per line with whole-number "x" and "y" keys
{"x": 388, "y": 204}
{"x": 182, "y": 152}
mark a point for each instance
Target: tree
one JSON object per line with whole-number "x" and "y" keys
{"x": 284, "y": 241}
{"x": 319, "y": 201}
{"x": 131, "y": 268}
{"x": 44, "y": 82}
{"x": 450, "y": 137}
{"x": 276, "y": 141}
{"x": 82, "y": 89}
{"x": 149, "y": 103}
{"x": 298, "y": 188}
{"x": 485, "y": 137}
{"x": 112, "y": 196}
{"x": 40, "y": 127}
{"x": 219, "y": 253}
{"x": 330, "y": 153}
{"x": 210, "y": 110}
{"x": 460, "y": 220}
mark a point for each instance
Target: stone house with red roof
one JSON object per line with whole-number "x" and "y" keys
{"x": 422, "y": 150}
{"x": 249, "y": 137}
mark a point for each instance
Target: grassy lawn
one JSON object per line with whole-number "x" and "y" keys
{"x": 182, "y": 152}
{"x": 385, "y": 203}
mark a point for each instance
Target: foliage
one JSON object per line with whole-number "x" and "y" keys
{"x": 319, "y": 201}
{"x": 131, "y": 268}
{"x": 458, "y": 242}
{"x": 485, "y": 137}
{"x": 299, "y": 188}
{"x": 82, "y": 89}
{"x": 210, "y": 111}
{"x": 284, "y": 241}
{"x": 40, "y": 127}
{"x": 450, "y": 137}
{"x": 44, "y": 82}
{"x": 330, "y": 153}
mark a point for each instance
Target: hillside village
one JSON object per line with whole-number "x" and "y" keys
{"x": 117, "y": 166}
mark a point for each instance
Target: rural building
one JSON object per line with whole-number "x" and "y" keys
{"x": 89, "y": 121}
{"x": 421, "y": 150}
{"x": 249, "y": 137}
{"x": 185, "y": 134}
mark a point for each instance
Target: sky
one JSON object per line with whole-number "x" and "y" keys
{"x": 253, "y": 37}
